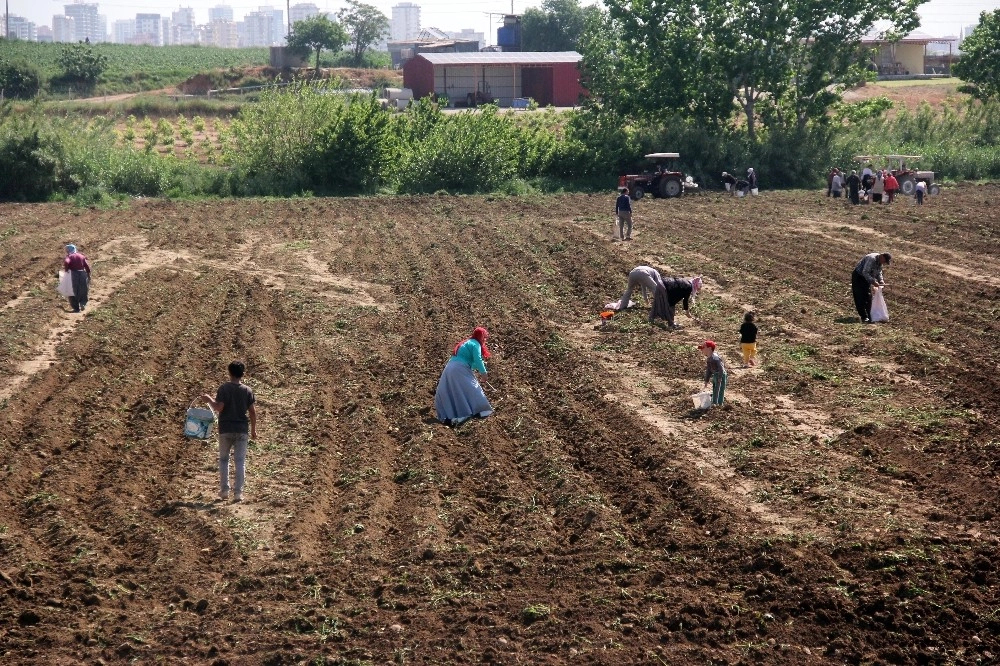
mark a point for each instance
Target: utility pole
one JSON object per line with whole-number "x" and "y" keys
{"x": 6, "y": 19}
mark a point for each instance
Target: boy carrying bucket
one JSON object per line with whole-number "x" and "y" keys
{"x": 234, "y": 403}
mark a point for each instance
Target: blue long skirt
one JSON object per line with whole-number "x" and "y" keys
{"x": 459, "y": 396}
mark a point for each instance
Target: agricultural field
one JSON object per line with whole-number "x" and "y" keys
{"x": 841, "y": 508}
{"x": 134, "y": 68}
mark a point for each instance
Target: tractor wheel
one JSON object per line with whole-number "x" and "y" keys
{"x": 470, "y": 101}
{"x": 638, "y": 192}
{"x": 934, "y": 189}
{"x": 907, "y": 186}
{"x": 670, "y": 187}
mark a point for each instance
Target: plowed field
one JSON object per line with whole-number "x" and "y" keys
{"x": 841, "y": 508}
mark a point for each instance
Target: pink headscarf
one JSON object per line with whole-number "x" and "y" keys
{"x": 695, "y": 285}
{"x": 479, "y": 334}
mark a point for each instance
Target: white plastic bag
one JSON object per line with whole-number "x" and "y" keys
{"x": 65, "y": 287}
{"x": 879, "y": 310}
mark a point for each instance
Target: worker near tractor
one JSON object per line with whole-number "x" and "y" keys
{"x": 878, "y": 187}
{"x": 854, "y": 187}
{"x": 459, "y": 396}
{"x": 836, "y": 184}
{"x": 752, "y": 181}
{"x": 866, "y": 278}
{"x": 79, "y": 269}
{"x": 623, "y": 214}
{"x": 920, "y": 191}
{"x": 891, "y": 187}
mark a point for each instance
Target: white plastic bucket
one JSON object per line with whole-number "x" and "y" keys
{"x": 729, "y": 186}
{"x": 199, "y": 422}
{"x": 702, "y": 400}
{"x": 740, "y": 193}
{"x": 754, "y": 191}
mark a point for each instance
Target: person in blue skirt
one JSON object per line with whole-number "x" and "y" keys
{"x": 459, "y": 396}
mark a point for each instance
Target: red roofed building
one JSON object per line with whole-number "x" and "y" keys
{"x": 548, "y": 78}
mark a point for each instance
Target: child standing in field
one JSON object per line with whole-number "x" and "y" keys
{"x": 715, "y": 372}
{"x": 748, "y": 340}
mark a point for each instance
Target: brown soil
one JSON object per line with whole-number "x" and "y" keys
{"x": 842, "y": 508}
{"x": 910, "y": 96}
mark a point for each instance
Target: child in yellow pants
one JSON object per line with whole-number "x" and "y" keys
{"x": 748, "y": 340}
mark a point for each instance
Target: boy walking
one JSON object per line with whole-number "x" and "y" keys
{"x": 234, "y": 403}
{"x": 715, "y": 372}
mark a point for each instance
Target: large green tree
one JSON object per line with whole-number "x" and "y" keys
{"x": 82, "y": 64}
{"x": 556, "y": 26}
{"x": 317, "y": 33}
{"x": 979, "y": 65}
{"x": 777, "y": 62}
{"x": 365, "y": 24}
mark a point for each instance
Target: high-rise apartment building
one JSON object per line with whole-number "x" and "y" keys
{"x": 123, "y": 31}
{"x": 18, "y": 28}
{"x": 86, "y": 22}
{"x": 405, "y": 21}
{"x": 302, "y": 11}
{"x": 220, "y": 13}
{"x": 183, "y": 27}
{"x": 63, "y": 28}
{"x": 147, "y": 29}
{"x": 258, "y": 28}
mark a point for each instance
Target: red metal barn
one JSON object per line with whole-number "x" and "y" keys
{"x": 548, "y": 78}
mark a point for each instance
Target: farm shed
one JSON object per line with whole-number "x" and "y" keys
{"x": 548, "y": 78}
{"x": 901, "y": 58}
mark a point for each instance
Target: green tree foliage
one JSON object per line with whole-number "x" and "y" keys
{"x": 979, "y": 65}
{"x": 82, "y": 64}
{"x": 317, "y": 33}
{"x": 556, "y": 26}
{"x": 778, "y": 63}
{"x": 365, "y": 25}
{"x": 19, "y": 80}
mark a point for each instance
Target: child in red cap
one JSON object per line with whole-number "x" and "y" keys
{"x": 715, "y": 372}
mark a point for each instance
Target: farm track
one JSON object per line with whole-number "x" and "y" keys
{"x": 841, "y": 509}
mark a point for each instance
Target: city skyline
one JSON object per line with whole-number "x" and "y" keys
{"x": 939, "y": 18}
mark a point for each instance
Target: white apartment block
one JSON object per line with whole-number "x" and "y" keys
{"x": 470, "y": 35}
{"x": 182, "y": 27}
{"x": 63, "y": 29}
{"x": 147, "y": 29}
{"x": 220, "y": 13}
{"x": 223, "y": 34}
{"x": 123, "y": 31}
{"x": 18, "y": 28}
{"x": 405, "y": 21}
{"x": 87, "y": 24}
{"x": 302, "y": 11}
{"x": 258, "y": 28}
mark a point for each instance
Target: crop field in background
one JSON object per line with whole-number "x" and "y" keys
{"x": 841, "y": 508}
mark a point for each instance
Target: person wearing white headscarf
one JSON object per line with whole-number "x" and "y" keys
{"x": 79, "y": 269}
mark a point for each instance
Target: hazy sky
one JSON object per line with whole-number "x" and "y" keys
{"x": 939, "y": 17}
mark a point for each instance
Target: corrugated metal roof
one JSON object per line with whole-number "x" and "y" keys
{"x": 502, "y": 58}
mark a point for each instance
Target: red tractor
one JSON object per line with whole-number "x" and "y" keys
{"x": 907, "y": 177}
{"x": 666, "y": 181}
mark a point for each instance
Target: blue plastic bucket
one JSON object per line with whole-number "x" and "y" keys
{"x": 199, "y": 423}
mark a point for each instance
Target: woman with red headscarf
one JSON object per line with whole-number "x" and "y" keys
{"x": 459, "y": 396}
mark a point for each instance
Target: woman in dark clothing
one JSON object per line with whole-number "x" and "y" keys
{"x": 853, "y": 187}
{"x": 679, "y": 289}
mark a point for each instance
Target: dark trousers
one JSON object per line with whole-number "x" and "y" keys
{"x": 81, "y": 290}
{"x": 920, "y": 197}
{"x": 862, "y": 293}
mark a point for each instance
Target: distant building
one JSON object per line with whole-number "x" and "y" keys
{"x": 548, "y": 78}
{"x": 405, "y": 22}
{"x": 220, "y": 13}
{"x": 44, "y": 34}
{"x": 18, "y": 28}
{"x": 469, "y": 35}
{"x": 183, "y": 27}
{"x": 302, "y": 11}
{"x": 262, "y": 28}
{"x": 63, "y": 28}
{"x": 904, "y": 57}
{"x": 223, "y": 34}
{"x": 86, "y": 22}
{"x": 403, "y": 51}
{"x": 147, "y": 29}
{"x": 123, "y": 31}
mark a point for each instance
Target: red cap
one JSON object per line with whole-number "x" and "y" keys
{"x": 707, "y": 343}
